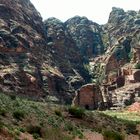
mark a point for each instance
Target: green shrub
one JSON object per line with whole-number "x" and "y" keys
{"x": 3, "y": 112}
{"x": 137, "y": 66}
{"x": 76, "y": 112}
{"x": 13, "y": 97}
{"x": 19, "y": 114}
{"x": 21, "y": 129}
{"x": 58, "y": 113}
{"x": 16, "y": 132}
{"x": 112, "y": 135}
{"x": 68, "y": 126}
{"x": 16, "y": 103}
{"x": 35, "y": 130}
{"x": 77, "y": 132}
{"x": 36, "y": 136}
{"x": 52, "y": 121}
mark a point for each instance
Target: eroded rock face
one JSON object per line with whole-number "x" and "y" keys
{"x": 123, "y": 32}
{"x": 65, "y": 53}
{"x": 87, "y": 36}
{"x": 37, "y": 59}
{"x": 21, "y": 44}
{"x": 26, "y": 63}
{"x": 116, "y": 68}
{"x": 121, "y": 23}
{"x": 72, "y": 44}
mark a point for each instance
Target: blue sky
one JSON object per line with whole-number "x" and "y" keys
{"x": 96, "y": 10}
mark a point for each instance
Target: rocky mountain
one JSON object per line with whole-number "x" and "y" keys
{"x": 38, "y": 60}
{"x": 26, "y": 63}
{"x": 116, "y": 70}
{"x": 86, "y": 35}
{"x": 110, "y": 52}
{"x": 51, "y": 60}
{"x": 22, "y": 47}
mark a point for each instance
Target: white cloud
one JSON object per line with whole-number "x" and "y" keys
{"x": 96, "y": 10}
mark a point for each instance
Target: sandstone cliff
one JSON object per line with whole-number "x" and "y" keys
{"x": 37, "y": 60}
{"x": 26, "y": 63}
{"x": 22, "y": 46}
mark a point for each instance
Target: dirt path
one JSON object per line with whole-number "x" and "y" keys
{"x": 132, "y": 137}
{"x": 91, "y": 136}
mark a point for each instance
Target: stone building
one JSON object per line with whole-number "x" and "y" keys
{"x": 88, "y": 97}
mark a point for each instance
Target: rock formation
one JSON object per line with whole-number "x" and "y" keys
{"x": 87, "y": 36}
{"x": 27, "y": 64}
{"x": 22, "y": 46}
{"x": 119, "y": 65}
{"x": 43, "y": 60}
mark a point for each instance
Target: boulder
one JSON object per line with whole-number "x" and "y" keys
{"x": 137, "y": 75}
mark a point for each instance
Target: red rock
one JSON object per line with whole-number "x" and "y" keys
{"x": 134, "y": 107}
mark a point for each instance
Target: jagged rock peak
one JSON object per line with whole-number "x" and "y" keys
{"x": 118, "y": 10}
{"x": 119, "y": 16}
{"x": 53, "y": 20}
{"x": 116, "y": 15}
{"x": 78, "y": 20}
{"x": 84, "y": 33}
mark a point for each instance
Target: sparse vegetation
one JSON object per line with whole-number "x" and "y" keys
{"x": 56, "y": 134}
{"x": 3, "y": 111}
{"x": 19, "y": 114}
{"x": 133, "y": 117}
{"x": 60, "y": 124}
{"x": 35, "y": 130}
{"x": 76, "y": 111}
{"x": 112, "y": 135}
{"x": 58, "y": 112}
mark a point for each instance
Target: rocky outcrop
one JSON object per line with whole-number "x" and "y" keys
{"x": 87, "y": 36}
{"x": 22, "y": 41}
{"x": 78, "y": 39}
{"x": 134, "y": 107}
{"x": 123, "y": 33}
{"x": 126, "y": 95}
{"x": 117, "y": 43}
{"x": 66, "y": 58}
{"x": 121, "y": 24}
{"x": 65, "y": 53}
{"x": 116, "y": 68}
{"x": 26, "y": 64}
